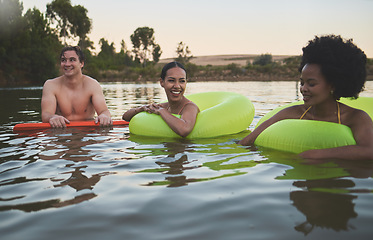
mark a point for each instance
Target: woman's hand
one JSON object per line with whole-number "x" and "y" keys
{"x": 153, "y": 108}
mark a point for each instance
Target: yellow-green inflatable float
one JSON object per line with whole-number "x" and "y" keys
{"x": 221, "y": 113}
{"x": 296, "y": 136}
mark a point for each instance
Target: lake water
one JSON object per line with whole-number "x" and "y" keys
{"x": 109, "y": 184}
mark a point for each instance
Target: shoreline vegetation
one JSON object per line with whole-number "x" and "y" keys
{"x": 30, "y": 43}
{"x": 229, "y": 67}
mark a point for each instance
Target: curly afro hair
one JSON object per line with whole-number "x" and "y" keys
{"x": 342, "y": 63}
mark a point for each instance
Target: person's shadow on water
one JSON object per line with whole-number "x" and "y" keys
{"x": 324, "y": 209}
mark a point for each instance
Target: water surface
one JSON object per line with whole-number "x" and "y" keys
{"x": 109, "y": 184}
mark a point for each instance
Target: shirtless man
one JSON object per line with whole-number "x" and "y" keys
{"x": 73, "y": 96}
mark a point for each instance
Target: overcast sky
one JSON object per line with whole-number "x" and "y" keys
{"x": 215, "y": 27}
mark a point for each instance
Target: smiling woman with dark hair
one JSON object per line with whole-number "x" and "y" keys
{"x": 331, "y": 68}
{"x": 173, "y": 80}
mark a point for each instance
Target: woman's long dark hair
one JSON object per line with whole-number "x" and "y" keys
{"x": 169, "y": 66}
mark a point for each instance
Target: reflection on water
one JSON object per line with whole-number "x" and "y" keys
{"x": 324, "y": 209}
{"x": 107, "y": 182}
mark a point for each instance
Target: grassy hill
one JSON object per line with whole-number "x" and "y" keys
{"x": 222, "y": 60}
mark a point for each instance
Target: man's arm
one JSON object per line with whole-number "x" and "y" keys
{"x": 49, "y": 105}
{"x": 98, "y": 101}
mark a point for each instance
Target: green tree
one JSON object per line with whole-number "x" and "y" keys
{"x": 81, "y": 23}
{"x": 41, "y": 48}
{"x": 105, "y": 58}
{"x": 123, "y": 46}
{"x": 157, "y": 52}
{"x": 292, "y": 61}
{"x": 86, "y": 44}
{"x": 28, "y": 47}
{"x": 235, "y": 69}
{"x": 263, "y": 59}
{"x": 10, "y": 15}
{"x": 107, "y": 51}
{"x": 59, "y": 11}
{"x": 144, "y": 46}
{"x": 183, "y": 53}
{"x": 11, "y": 26}
{"x": 72, "y": 21}
{"x": 124, "y": 56}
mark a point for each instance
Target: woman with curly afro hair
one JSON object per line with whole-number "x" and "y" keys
{"x": 331, "y": 68}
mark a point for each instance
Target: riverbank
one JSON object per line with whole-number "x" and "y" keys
{"x": 232, "y": 67}
{"x": 223, "y": 60}
{"x": 236, "y": 67}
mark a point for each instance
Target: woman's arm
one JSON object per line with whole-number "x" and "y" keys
{"x": 283, "y": 114}
{"x": 183, "y": 125}
{"x": 127, "y": 116}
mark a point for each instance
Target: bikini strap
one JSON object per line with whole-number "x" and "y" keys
{"x": 305, "y": 112}
{"x": 338, "y": 113}
{"x": 184, "y": 106}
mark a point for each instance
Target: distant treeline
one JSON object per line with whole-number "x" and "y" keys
{"x": 30, "y": 45}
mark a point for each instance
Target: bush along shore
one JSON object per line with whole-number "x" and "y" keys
{"x": 282, "y": 69}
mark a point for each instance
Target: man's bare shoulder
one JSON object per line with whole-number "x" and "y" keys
{"x": 89, "y": 79}
{"x": 91, "y": 83}
{"x": 53, "y": 81}
{"x": 52, "y": 85}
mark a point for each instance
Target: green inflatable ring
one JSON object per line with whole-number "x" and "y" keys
{"x": 296, "y": 136}
{"x": 221, "y": 113}
{"x": 363, "y": 103}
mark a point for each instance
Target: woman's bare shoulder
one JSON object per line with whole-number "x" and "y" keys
{"x": 352, "y": 116}
{"x": 191, "y": 104}
{"x": 292, "y": 112}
